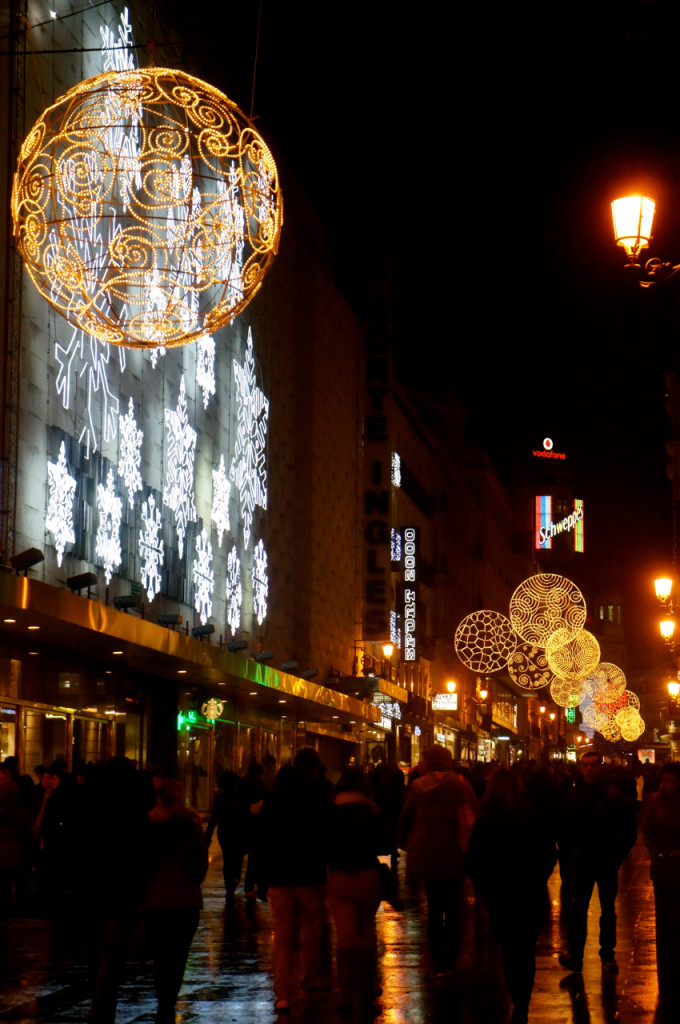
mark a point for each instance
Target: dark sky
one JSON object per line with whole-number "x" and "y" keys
{"x": 482, "y": 145}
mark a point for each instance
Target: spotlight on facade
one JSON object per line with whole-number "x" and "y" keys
{"x": 25, "y": 560}
{"x": 169, "y": 619}
{"x": 237, "y": 645}
{"x": 288, "y": 666}
{"x": 310, "y": 673}
{"x": 83, "y": 581}
{"x": 200, "y": 631}
{"x": 264, "y": 656}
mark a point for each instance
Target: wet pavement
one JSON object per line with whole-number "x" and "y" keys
{"x": 43, "y": 967}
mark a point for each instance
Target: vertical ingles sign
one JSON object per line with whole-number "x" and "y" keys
{"x": 377, "y": 391}
{"x": 410, "y": 595}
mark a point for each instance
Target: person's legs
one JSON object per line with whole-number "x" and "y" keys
{"x": 312, "y": 901}
{"x": 582, "y": 882}
{"x": 607, "y": 888}
{"x": 283, "y": 901}
{"x": 169, "y": 933}
{"x": 443, "y": 920}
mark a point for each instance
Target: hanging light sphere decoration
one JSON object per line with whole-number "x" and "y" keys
{"x": 146, "y": 207}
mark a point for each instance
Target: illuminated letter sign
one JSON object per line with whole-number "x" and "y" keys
{"x": 410, "y": 596}
{"x": 546, "y": 529}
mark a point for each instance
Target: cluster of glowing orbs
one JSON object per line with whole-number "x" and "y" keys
{"x": 630, "y": 723}
{"x": 159, "y": 246}
{"x": 484, "y": 641}
{"x": 543, "y": 604}
{"x": 572, "y": 655}
{"x": 528, "y": 667}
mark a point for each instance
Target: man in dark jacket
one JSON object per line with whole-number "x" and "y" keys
{"x": 596, "y": 832}
{"x": 295, "y": 821}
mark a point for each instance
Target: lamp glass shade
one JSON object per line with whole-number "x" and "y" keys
{"x": 483, "y": 694}
{"x": 667, "y": 628}
{"x": 451, "y": 686}
{"x": 673, "y": 689}
{"x": 388, "y": 650}
{"x": 663, "y": 587}
{"x": 633, "y": 217}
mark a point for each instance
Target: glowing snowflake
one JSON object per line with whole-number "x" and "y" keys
{"x": 205, "y": 367}
{"x": 151, "y": 548}
{"x": 178, "y": 494}
{"x": 248, "y": 464}
{"x": 220, "y": 501}
{"x": 234, "y": 591}
{"x": 130, "y": 453}
{"x": 59, "y": 519}
{"x": 107, "y": 542}
{"x": 260, "y": 582}
{"x": 204, "y": 577}
{"x": 85, "y": 357}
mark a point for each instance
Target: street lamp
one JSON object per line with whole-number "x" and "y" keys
{"x": 633, "y": 217}
{"x": 451, "y": 686}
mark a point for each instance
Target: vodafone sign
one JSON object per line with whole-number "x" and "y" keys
{"x": 548, "y": 451}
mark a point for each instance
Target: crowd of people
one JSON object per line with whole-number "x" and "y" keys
{"x": 311, "y": 847}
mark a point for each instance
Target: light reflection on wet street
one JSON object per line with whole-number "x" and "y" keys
{"x": 43, "y": 972}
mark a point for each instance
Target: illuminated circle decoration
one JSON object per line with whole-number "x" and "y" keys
{"x": 543, "y": 604}
{"x": 606, "y": 682}
{"x": 528, "y": 667}
{"x": 572, "y": 656}
{"x": 548, "y": 444}
{"x": 566, "y": 692}
{"x": 630, "y": 723}
{"x": 212, "y": 708}
{"x": 155, "y": 241}
{"x": 484, "y": 641}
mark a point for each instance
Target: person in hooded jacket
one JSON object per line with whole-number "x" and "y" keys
{"x": 175, "y": 863}
{"x": 513, "y": 841}
{"x": 434, "y": 829}
{"x": 358, "y": 834}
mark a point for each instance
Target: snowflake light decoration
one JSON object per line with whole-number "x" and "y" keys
{"x": 204, "y": 577}
{"x": 130, "y": 453}
{"x": 485, "y": 640}
{"x": 59, "y": 519}
{"x": 178, "y": 493}
{"x": 107, "y": 542}
{"x": 220, "y": 501}
{"x": 248, "y": 468}
{"x": 260, "y": 582}
{"x": 234, "y": 591}
{"x": 151, "y": 549}
{"x": 205, "y": 367}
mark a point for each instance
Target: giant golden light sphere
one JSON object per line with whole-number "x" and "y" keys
{"x": 146, "y": 207}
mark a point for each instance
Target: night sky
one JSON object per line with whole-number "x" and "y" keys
{"x": 482, "y": 145}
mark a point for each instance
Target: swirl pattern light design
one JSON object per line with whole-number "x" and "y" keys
{"x": 528, "y": 667}
{"x": 153, "y": 243}
{"x": 484, "y": 641}
{"x": 572, "y": 656}
{"x": 543, "y": 604}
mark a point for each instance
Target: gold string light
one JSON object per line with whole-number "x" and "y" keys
{"x": 543, "y": 604}
{"x": 146, "y": 207}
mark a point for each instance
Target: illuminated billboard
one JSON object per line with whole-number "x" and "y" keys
{"x": 558, "y": 518}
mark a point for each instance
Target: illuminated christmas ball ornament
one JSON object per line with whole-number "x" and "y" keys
{"x": 567, "y": 693}
{"x": 545, "y": 603}
{"x": 146, "y": 207}
{"x": 484, "y": 641}
{"x": 528, "y": 667}
{"x": 606, "y": 682}
{"x": 571, "y": 655}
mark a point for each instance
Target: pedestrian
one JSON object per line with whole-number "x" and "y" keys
{"x": 596, "y": 832}
{"x": 294, "y": 823}
{"x": 511, "y": 840}
{"x": 434, "y": 829}
{"x": 661, "y": 830}
{"x": 359, "y": 833}
{"x": 175, "y": 862}
{"x": 230, "y": 817}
